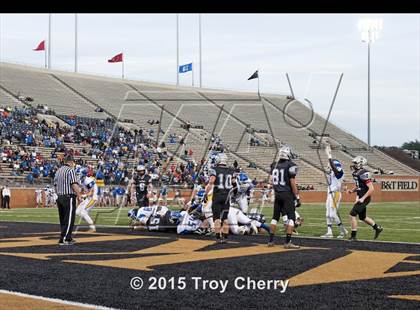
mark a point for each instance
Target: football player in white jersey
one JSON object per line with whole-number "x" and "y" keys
{"x": 242, "y": 188}
{"x": 91, "y": 198}
{"x": 38, "y": 193}
{"x": 335, "y": 178}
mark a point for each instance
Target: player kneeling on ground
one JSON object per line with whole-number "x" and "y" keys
{"x": 283, "y": 173}
{"x": 91, "y": 198}
{"x": 364, "y": 189}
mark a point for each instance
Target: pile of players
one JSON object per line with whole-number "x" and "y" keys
{"x": 218, "y": 206}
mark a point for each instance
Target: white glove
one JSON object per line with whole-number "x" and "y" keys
{"x": 328, "y": 151}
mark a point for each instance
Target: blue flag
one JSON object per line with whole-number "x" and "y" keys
{"x": 185, "y": 68}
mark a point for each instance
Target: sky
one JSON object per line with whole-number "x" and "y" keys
{"x": 314, "y": 49}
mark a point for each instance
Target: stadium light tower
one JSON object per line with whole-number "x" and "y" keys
{"x": 369, "y": 29}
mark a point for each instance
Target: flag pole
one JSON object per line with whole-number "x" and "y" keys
{"x": 75, "y": 42}
{"x": 45, "y": 54}
{"x": 49, "y": 41}
{"x": 192, "y": 74}
{"x": 199, "y": 46}
{"x": 177, "y": 49}
{"x": 258, "y": 82}
{"x": 122, "y": 67}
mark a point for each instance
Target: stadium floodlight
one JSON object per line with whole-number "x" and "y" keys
{"x": 369, "y": 29}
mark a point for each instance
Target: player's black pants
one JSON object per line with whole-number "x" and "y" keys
{"x": 66, "y": 205}
{"x": 220, "y": 207}
{"x": 6, "y": 202}
{"x": 284, "y": 205}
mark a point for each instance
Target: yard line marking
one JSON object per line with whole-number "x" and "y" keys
{"x": 56, "y": 300}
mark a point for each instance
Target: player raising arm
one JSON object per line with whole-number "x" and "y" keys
{"x": 364, "y": 189}
{"x": 335, "y": 178}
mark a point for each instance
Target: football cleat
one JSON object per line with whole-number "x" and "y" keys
{"x": 327, "y": 236}
{"x": 270, "y": 244}
{"x": 290, "y": 245}
{"x": 342, "y": 234}
{"x": 69, "y": 242}
{"x": 378, "y": 231}
{"x": 352, "y": 239}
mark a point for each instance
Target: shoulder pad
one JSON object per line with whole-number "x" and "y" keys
{"x": 212, "y": 172}
{"x": 293, "y": 169}
{"x": 365, "y": 175}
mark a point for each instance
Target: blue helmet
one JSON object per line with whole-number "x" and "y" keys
{"x": 337, "y": 164}
{"x": 132, "y": 213}
{"x": 200, "y": 195}
{"x": 242, "y": 177}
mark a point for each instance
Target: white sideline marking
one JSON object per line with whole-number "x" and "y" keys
{"x": 56, "y": 300}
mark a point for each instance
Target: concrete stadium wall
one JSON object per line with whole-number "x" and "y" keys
{"x": 387, "y": 189}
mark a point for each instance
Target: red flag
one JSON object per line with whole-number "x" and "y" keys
{"x": 116, "y": 58}
{"x": 41, "y": 46}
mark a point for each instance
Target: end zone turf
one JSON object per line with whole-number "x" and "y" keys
{"x": 100, "y": 269}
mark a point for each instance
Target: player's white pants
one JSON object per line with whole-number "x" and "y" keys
{"x": 332, "y": 205}
{"x": 242, "y": 201}
{"x": 208, "y": 213}
{"x": 236, "y": 217}
{"x": 83, "y": 209}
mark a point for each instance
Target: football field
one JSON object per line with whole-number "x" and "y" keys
{"x": 401, "y": 220}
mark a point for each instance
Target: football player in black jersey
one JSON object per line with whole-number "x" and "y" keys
{"x": 283, "y": 173}
{"x": 364, "y": 189}
{"x": 142, "y": 185}
{"x": 221, "y": 183}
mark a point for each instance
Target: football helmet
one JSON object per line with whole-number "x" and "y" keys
{"x": 89, "y": 182}
{"x": 141, "y": 169}
{"x": 359, "y": 162}
{"x": 221, "y": 159}
{"x": 337, "y": 164}
{"x": 285, "y": 153}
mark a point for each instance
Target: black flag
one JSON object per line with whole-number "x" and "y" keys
{"x": 253, "y": 76}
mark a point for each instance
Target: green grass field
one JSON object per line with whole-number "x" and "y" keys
{"x": 401, "y": 221}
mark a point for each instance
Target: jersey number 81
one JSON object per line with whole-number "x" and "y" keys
{"x": 275, "y": 175}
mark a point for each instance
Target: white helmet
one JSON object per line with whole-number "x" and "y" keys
{"x": 359, "y": 162}
{"x": 285, "y": 153}
{"x": 89, "y": 182}
{"x": 221, "y": 159}
{"x": 141, "y": 168}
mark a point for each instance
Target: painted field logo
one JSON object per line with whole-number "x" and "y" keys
{"x": 355, "y": 265}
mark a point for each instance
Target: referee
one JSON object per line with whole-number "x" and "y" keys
{"x": 68, "y": 191}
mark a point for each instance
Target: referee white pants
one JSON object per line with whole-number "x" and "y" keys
{"x": 332, "y": 205}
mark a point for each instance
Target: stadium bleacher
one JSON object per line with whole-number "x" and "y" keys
{"x": 234, "y": 117}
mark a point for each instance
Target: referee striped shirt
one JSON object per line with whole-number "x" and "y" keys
{"x": 63, "y": 180}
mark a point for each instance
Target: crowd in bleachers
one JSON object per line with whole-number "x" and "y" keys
{"x": 33, "y": 148}
{"x": 113, "y": 150}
